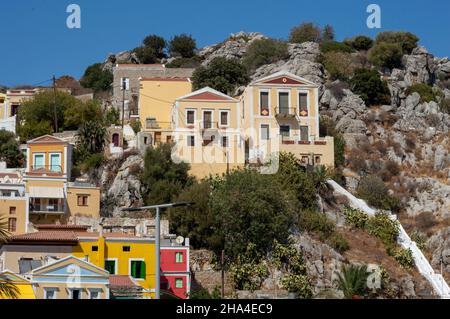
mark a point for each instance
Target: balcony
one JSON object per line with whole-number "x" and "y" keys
{"x": 152, "y": 124}
{"x": 285, "y": 112}
{"x": 46, "y": 206}
{"x": 47, "y": 170}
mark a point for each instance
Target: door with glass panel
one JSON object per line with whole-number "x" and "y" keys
{"x": 283, "y": 103}
{"x": 55, "y": 162}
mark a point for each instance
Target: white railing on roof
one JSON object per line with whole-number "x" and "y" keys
{"x": 438, "y": 282}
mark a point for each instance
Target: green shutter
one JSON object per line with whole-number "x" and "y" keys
{"x": 142, "y": 274}
{"x": 133, "y": 269}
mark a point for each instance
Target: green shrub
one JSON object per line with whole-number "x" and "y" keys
{"x": 355, "y": 217}
{"x": 369, "y": 86}
{"x": 305, "y": 32}
{"x": 404, "y": 257}
{"x": 9, "y": 150}
{"x": 338, "y": 242}
{"x": 193, "y": 62}
{"x": 264, "y": 51}
{"x": 221, "y": 74}
{"x": 360, "y": 43}
{"x": 316, "y": 222}
{"x": 338, "y": 64}
{"x": 96, "y": 78}
{"x": 203, "y": 293}
{"x": 406, "y": 40}
{"x": 420, "y": 239}
{"x": 383, "y": 227}
{"x": 146, "y": 55}
{"x": 387, "y": 55}
{"x": 92, "y": 162}
{"x": 136, "y": 126}
{"x": 335, "y": 46}
{"x": 425, "y": 91}
{"x": 157, "y": 44}
{"x": 182, "y": 45}
{"x": 297, "y": 284}
{"x": 372, "y": 189}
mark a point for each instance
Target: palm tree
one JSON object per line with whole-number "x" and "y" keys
{"x": 321, "y": 175}
{"x": 352, "y": 280}
{"x": 7, "y": 288}
{"x": 91, "y": 137}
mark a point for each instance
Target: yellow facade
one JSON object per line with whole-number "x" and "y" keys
{"x": 14, "y": 212}
{"x": 112, "y": 249}
{"x": 156, "y": 98}
{"x": 23, "y": 285}
{"x": 4, "y": 107}
{"x": 207, "y": 129}
{"x": 83, "y": 201}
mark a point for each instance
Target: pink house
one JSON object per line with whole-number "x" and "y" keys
{"x": 175, "y": 273}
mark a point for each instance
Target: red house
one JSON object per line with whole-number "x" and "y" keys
{"x": 175, "y": 273}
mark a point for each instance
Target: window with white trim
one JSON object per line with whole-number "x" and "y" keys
{"x": 95, "y": 293}
{"x": 191, "y": 140}
{"x": 224, "y": 118}
{"x": 265, "y": 131}
{"x": 304, "y": 133}
{"x": 179, "y": 257}
{"x": 50, "y": 293}
{"x": 264, "y": 103}
{"x": 125, "y": 84}
{"x": 178, "y": 282}
{"x": 285, "y": 130}
{"x": 303, "y": 103}
{"x": 190, "y": 117}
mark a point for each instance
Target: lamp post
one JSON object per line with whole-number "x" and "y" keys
{"x": 157, "y": 208}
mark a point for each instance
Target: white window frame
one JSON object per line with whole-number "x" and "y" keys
{"x": 98, "y": 290}
{"x": 261, "y": 129}
{"x": 290, "y": 129}
{"x": 127, "y": 83}
{"x": 182, "y": 257}
{"x": 129, "y": 268}
{"x": 71, "y": 292}
{"x": 175, "y": 283}
{"x": 228, "y": 118}
{"x": 186, "y": 116}
{"x": 300, "y": 133}
{"x": 228, "y": 141}
{"x": 212, "y": 117}
{"x": 259, "y": 103}
{"x": 289, "y": 99}
{"x": 50, "y": 159}
{"x": 55, "y": 291}
{"x": 34, "y": 159}
{"x": 307, "y": 102}
{"x": 116, "y": 262}
{"x": 188, "y": 139}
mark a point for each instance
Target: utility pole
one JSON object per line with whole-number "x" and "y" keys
{"x": 123, "y": 103}
{"x": 54, "y": 104}
{"x": 222, "y": 260}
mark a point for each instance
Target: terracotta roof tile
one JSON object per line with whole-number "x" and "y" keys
{"x": 121, "y": 281}
{"x": 44, "y": 236}
{"x": 43, "y": 227}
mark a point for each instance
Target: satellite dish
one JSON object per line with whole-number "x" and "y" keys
{"x": 179, "y": 240}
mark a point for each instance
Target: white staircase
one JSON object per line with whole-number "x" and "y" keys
{"x": 438, "y": 283}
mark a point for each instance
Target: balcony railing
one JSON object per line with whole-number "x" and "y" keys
{"x": 295, "y": 139}
{"x": 45, "y": 170}
{"x": 157, "y": 125}
{"x": 47, "y": 209}
{"x": 209, "y": 125}
{"x": 285, "y": 111}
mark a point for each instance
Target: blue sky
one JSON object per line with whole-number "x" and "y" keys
{"x": 35, "y": 42}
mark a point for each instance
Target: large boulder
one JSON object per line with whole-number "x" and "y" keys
{"x": 419, "y": 67}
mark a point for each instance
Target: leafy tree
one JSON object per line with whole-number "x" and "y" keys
{"x": 294, "y": 179}
{"x": 352, "y": 281}
{"x": 8, "y": 289}
{"x": 182, "y": 45}
{"x": 369, "y": 86}
{"x": 157, "y": 43}
{"x": 32, "y": 129}
{"x": 203, "y": 293}
{"x": 249, "y": 207}
{"x": 425, "y": 91}
{"x": 372, "y": 189}
{"x": 163, "y": 178}
{"x": 193, "y": 62}
{"x": 146, "y": 55}
{"x": 406, "y": 40}
{"x": 327, "y": 33}
{"x": 221, "y": 74}
{"x": 385, "y": 54}
{"x": 333, "y": 46}
{"x": 96, "y": 78}
{"x": 264, "y": 51}
{"x": 9, "y": 149}
{"x": 338, "y": 64}
{"x": 195, "y": 222}
{"x": 91, "y": 137}
{"x": 112, "y": 117}
{"x": 360, "y": 43}
{"x": 74, "y": 117}
{"x": 305, "y": 32}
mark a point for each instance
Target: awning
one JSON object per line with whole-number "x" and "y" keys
{"x": 46, "y": 192}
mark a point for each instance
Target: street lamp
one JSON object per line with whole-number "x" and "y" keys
{"x": 157, "y": 235}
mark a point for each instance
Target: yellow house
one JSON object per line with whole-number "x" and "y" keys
{"x": 282, "y": 114}
{"x": 23, "y": 285}
{"x": 207, "y": 130}
{"x": 4, "y": 108}
{"x": 118, "y": 253}
{"x": 52, "y": 197}
{"x": 13, "y": 202}
{"x": 156, "y": 98}
{"x": 70, "y": 278}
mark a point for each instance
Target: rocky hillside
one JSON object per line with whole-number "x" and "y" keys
{"x": 406, "y": 142}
